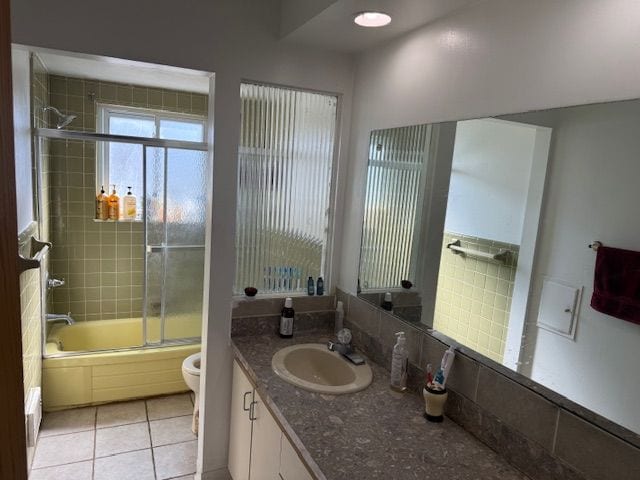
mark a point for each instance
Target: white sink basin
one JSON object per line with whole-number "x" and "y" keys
{"x": 313, "y": 367}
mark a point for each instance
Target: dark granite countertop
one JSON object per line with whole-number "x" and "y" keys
{"x": 373, "y": 434}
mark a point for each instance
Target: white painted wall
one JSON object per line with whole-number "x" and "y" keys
{"x": 500, "y": 56}
{"x": 22, "y": 135}
{"x": 592, "y": 194}
{"x": 236, "y": 40}
{"x": 490, "y": 179}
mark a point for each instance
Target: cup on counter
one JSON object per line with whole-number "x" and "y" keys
{"x": 434, "y": 400}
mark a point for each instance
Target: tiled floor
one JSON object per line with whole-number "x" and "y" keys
{"x": 139, "y": 440}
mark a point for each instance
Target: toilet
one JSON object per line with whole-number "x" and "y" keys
{"x": 191, "y": 375}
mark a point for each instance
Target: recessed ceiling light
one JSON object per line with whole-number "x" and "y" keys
{"x": 372, "y": 19}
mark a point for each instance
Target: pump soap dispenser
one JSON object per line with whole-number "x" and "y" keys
{"x": 399, "y": 364}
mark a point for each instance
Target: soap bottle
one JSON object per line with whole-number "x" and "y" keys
{"x": 286, "y": 319}
{"x": 320, "y": 286}
{"x": 114, "y": 205}
{"x": 399, "y": 364}
{"x": 339, "y": 316}
{"x": 387, "y": 304}
{"x": 310, "y": 287}
{"x": 102, "y": 205}
{"x": 129, "y": 206}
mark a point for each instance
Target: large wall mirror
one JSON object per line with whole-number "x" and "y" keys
{"x": 486, "y": 231}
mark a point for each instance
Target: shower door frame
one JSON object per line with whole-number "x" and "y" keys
{"x": 146, "y": 142}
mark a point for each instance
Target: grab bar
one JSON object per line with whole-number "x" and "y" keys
{"x": 160, "y": 248}
{"x": 34, "y": 262}
{"x": 502, "y": 256}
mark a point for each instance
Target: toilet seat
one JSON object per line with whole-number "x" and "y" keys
{"x": 191, "y": 364}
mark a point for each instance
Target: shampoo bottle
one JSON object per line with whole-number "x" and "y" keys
{"x": 320, "y": 286}
{"x": 114, "y": 205}
{"x": 286, "y": 319}
{"x": 399, "y": 364}
{"x": 310, "y": 286}
{"x": 129, "y": 206}
{"x": 102, "y": 205}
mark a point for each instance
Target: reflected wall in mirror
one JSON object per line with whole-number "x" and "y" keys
{"x": 500, "y": 262}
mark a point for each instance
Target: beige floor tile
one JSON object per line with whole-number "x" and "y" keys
{"x": 175, "y": 460}
{"x": 186, "y": 477}
{"x": 171, "y": 406}
{"x": 125, "y": 466}
{"x": 68, "y": 421}
{"x": 123, "y": 413}
{"x": 62, "y": 449}
{"x": 125, "y": 438}
{"x": 171, "y": 430}
{"x": 73, "y": 471}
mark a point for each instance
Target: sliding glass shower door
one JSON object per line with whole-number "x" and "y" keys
{"x": 175, "y": 192}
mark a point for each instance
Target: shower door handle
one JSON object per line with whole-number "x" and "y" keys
{"x": 161, "y": 248}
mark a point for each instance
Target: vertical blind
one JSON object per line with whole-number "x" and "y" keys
{"x": 393, "y": 205}
{"x": 284, "y": 182}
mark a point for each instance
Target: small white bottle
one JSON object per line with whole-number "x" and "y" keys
{"x": 339, "y": 317}
{"x": 399, "y": 364}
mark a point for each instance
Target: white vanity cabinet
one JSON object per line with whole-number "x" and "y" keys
{"x": 258, "y": 450}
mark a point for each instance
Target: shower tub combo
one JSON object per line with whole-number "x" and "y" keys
{"x": 95, "y": 361}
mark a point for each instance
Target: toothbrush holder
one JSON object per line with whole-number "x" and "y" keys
{"x": 434, "y": 401}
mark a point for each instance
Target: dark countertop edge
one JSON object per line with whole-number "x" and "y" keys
{"x": 293, "y": 438}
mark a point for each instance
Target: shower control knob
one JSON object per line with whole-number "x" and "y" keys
{"x": 54, "y": 283}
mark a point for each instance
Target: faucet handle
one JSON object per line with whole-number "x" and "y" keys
{"x": 345, "y": 336}
{"x": 55, "y": 282}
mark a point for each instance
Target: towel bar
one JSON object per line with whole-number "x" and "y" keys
{"x": 501, "y": 257}
{"x": 595, "y": 245}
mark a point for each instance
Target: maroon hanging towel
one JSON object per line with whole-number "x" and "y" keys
{"x": 616, "y": 283}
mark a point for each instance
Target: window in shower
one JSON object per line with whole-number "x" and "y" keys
{"x": 120, "y": 164}
{"x": 286, "y": 155}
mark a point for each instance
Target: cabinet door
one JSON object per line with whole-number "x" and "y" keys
{"x": 240, "y": 430}
{"x": 291, "y": 467}
{"x": 265, "y": 443}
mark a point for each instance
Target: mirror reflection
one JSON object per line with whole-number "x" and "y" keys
{"x": 498, "y": 259}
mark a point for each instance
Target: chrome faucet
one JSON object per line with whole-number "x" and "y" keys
{"x": 60, "y": 317}
{"x": 344, "y": 348}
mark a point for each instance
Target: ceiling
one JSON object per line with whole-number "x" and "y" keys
{"x": 124, "y": 71}
{"x": 333, "y": 28}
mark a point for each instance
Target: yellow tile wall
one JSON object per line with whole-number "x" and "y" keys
{"x": 474, "y": 296}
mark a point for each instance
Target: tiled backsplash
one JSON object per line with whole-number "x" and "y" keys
{"x": 261, "y": 316}
{"x": 101, "y": 262}
{"x": 474, "y": 295}
{"x": 541, "y": 433}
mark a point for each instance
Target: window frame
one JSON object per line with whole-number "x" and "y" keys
{"x": 329, "y": 262}
{"x": 105, "y": 110}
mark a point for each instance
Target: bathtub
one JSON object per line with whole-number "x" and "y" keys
{"x": 118, "y": 367}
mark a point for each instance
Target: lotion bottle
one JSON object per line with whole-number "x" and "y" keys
{"x": 114, "y": 205}
{"x": 399, "y": 364}
{"x": 286, "y": 319}
{"x": 102, "y": 205}
{"x": 129, "y": 206}
{"x": 339, "y": 316}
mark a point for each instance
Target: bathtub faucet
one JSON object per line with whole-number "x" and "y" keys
{"x": 60, "y": 317}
